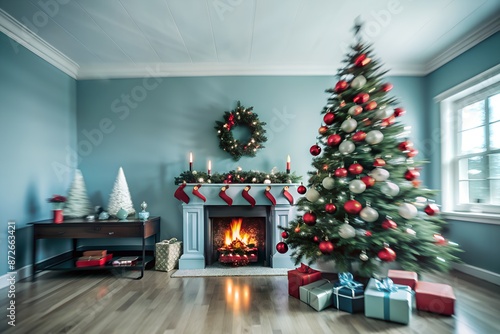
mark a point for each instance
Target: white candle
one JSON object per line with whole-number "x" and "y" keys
{"x": 209, "y": 167}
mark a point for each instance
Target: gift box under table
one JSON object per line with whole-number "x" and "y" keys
{"x": 403, "y": 277}
{"x": 297, "y": 278}
{"x": 318, "y": 294}
{"x": 348, "y": 299}
{"x": 435, "y": 297}
{"x": 390, "y": 306}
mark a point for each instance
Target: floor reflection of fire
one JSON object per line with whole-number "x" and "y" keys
{"x": 237, "y": 295}
{"x": 239, "y": 248}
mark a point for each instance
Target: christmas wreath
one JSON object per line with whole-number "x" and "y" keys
{"x": 241, "y": 116}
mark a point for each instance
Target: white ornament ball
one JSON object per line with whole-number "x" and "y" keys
{"x": 368, "y": 214}
{"x": 380, "y": 174}
{"x": 374, "y": 137}
{"x": 357, "y": 186}
{"x": 383, "y": 113}
{"x": 363, "y": 256}
{"x": 328, "y": 183}
{"x": 267, "y": 181}
{"x": 390, "y": 189}
{"x": 407, "y": 210}
{"x": 312, "y": 195}
{"x": 346, "y": 231}
{"x": 349, "y": 125}
{"x": 358, "y": 82}
{"x": 346, "y": 147}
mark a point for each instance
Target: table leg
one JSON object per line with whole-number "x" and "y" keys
{"x": 33, "y": 258}
{"x": 75, "y": 244}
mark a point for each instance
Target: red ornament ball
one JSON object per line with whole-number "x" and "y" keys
{"x": 352, "y": 206}
{"x": 316, "y": 239}
{"x": 405, "y": 145}
{"x": 309, "y": 218}
{"x": 361, "y": 98}
{"x": 439, "y": 239}
{"x": 368, "y": 180}
{"x": 334, "y": 140}
{"x": 282, "y": 247}
{"x": 326, "y": 247}
{"x": 370, "y": 106}
{"x": 386, "y": 87}
{"x": 431, "y": 209}
{"x": 389, "y": 224}
{"x": 379, "y": 162}
{"x": 315, "y": 150}
{"x": 284, "y": 234}
{"x": 359, "y": 136}
{"x": 297, "y": 229}
{"x": 388, "y": 121}
{"x": 330, "y": 208}
{"x": 412, "y": 153}
{"x": 361, "y": 60}
{"x": 387, "y": 255}
{"x": 329, "y": 118}
{"x": 301, "y": 189}
{"x": 355, "y": 169}
{"x": 411, "y": 174}
{"x": 399, "y": 112}
{"x": 341, "y": 86}
{"x": 368, "y": 233}
{"x": 340, "y": 172}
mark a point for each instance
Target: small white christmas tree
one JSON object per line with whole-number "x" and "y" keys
{"x": 120, "y": 196}
{"x": 78, "y": 204}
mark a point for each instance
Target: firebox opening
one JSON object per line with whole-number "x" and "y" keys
{"x": 238, "y": 241}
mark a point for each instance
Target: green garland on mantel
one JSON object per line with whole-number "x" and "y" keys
{"x": 238, "y": 176}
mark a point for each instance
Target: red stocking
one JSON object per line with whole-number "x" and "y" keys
{"x": 197, "y": 193}
{"x": 270, "y": 196}
{"x": 181, "y": 195}
{"x": 224, "y": 196}
{"x": 247, "y": 196}
{"x": 287, "y": 194}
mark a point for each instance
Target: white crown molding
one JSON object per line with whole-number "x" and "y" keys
{"x": 466, "y": 43}
{"x": 25, "y": 37}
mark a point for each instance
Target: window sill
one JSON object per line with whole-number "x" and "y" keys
{"x": 483, "y": 218}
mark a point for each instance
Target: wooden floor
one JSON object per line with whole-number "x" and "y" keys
{"x": 105, "y": 302}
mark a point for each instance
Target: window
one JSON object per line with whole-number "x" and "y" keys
{"x": 470, "y": 146}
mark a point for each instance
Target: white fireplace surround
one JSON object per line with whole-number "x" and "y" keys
{"x": 196, "y": 221}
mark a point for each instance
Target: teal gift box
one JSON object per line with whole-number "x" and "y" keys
{"x": 348, "y": 299}
{"x": 318, "y": 294}
{"x": 387, "y": 301}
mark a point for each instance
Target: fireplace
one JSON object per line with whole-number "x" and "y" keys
{"x": 199, "y": 248}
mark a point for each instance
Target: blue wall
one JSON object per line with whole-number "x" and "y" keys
{"x": 479, "y": 241}
{"x": 37, "y": 125}
{"x": 151, "y": 135}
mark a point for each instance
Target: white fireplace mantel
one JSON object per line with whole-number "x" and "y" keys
{"x": 195, "y": 223}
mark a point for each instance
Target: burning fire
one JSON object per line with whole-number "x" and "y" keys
{"x": 233, "y": 235}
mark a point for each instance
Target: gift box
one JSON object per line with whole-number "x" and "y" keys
{"x": 387, "y": 301}
{"x": 435, "y": 297}
{"x": 92, "y": 261}
{"x": 318, "y": 294}
{"x": 348, "y": 295}
{"x": 403, "y": 277}
{"x": 95, "y": 252}
{"x": 167, "y": 254}
{"x": 300, "y": 276}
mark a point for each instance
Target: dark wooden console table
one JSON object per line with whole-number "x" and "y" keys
{"x": 76, "y": 229}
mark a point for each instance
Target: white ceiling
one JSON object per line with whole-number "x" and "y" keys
{"x": 127, "y": 38}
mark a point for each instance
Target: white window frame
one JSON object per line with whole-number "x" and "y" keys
{"x": 451, "y": 208}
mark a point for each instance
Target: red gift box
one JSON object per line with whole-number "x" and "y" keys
{"x": 299, "y": 277}
{"x": 403, "y": 277}
{"x": 92, "y": 261}
{"x": 435, "y": 297}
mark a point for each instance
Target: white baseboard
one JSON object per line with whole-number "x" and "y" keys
{"x": 20, "y": 274}
{"x": 483, "y": 274}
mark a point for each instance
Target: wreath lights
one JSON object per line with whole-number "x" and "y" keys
{"x": 241, "y": 116}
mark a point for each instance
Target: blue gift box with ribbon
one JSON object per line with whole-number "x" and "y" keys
{"x": 388, "y": 301}
{"x": 348, "y": 295}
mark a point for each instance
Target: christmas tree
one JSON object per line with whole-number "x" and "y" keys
{"x": 120, "y": 196}
{"x": 78, "y": 204}
{"x": 364, "y": 204}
